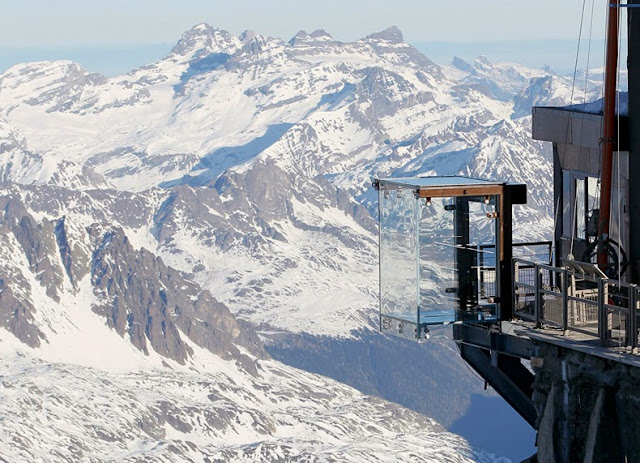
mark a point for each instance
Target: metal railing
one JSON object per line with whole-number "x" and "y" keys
{"x": 562, "y": 298}
{"x": 539, "y": 251}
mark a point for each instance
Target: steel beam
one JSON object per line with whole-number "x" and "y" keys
{"x": 509, "y": 378}
{"x": 481, "y": 336}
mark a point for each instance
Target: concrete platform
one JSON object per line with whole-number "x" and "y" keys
{"x": 577, "y": 341}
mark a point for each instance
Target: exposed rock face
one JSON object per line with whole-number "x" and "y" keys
{"x": 589, "y": 407}
{"x": 139, "y": 296}
{"x": 36, "y": 240}
{"x": 391, "y": 34}
{"x": 74, "y": 246}
{"x": 25, "y": 247}
{"x": 303, "y": 38}
{"x": 16, "y": 315}
{"x": 462, "y": 64}
{"x": 153, "y": 303}
{"x": 203, "y": 40}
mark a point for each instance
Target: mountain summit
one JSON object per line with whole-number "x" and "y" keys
{"x": 390, "y": 34}
{"x": 203, "y": 39}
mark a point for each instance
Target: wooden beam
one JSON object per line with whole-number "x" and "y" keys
{"x": 450, "y": 191}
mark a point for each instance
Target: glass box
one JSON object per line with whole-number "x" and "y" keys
{"x": 439, "y": 253}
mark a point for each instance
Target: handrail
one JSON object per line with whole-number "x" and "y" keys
{"x": 547, "y": 244}
{"x": 633, "y": 325}
{"x": 552, "y": 296}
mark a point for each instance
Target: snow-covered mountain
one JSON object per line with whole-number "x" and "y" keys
{"x": 226, "y": 189}
{"x": 259, "y": 153}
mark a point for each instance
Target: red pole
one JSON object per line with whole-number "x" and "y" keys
{"x": 608, "y": 132}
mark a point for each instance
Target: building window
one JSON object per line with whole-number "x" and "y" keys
{"x": 581, "y": 211}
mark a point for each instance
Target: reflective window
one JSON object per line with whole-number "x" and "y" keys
{"x": 567, "y": 204}
{"x": 438, "y": 272}
{"x": 457, "y": 259}
{"x": 580, "y": 212}
{"x": 593, "y": 193}
{"x": 399, "y": 254}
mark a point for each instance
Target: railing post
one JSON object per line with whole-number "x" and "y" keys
{"x": 514, "y": 278}
{"x": 538, "y": 304}
{"x": 565, "y": 301}
{"x": 603, "y": 325}
{"x": 633, "y": 317}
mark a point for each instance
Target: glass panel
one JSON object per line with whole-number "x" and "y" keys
{"x": 458, "y": 252}
{"x": 593, "y": 193}
{"x": 438, "y": 273}
{"x": 619, "y": 228}
{"x": 619, "y": 224}
{"x": 580, "y": 209}
{"x": 398, "y": 254}
{"x": 593, "y": 204}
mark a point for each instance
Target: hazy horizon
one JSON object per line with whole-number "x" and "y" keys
{"x": 111, "y": 60}
{"x": 118, "y": 36}
{"x": 42, "y": 23}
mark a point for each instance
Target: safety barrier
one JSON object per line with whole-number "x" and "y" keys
{"x": 563, "y": 298}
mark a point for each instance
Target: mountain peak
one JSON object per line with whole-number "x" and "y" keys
{"x": 319, "y": 35}
{"x": 482, "y": 60}
{"x": 247, "y": 36}
{"x": 462, "y": 64}
{"x": 301, "y": 35}
{"x": 204, "y": 39}
{"x": 199, "y": 30}
{"x": 390, "y": 34}
{"x": 204, "y": 27}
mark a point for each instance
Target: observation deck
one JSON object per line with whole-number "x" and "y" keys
{"x": 447, "y": 257}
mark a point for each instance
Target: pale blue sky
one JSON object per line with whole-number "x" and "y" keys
{"x": 90, "y": 22}
{"x": 143, "y": 30}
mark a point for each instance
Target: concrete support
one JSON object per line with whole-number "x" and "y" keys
{"x": 588, "y": 407}
{"x": 546, "y": 443}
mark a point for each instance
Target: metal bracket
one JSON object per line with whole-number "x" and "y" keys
{"x": 610, "y": 140}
